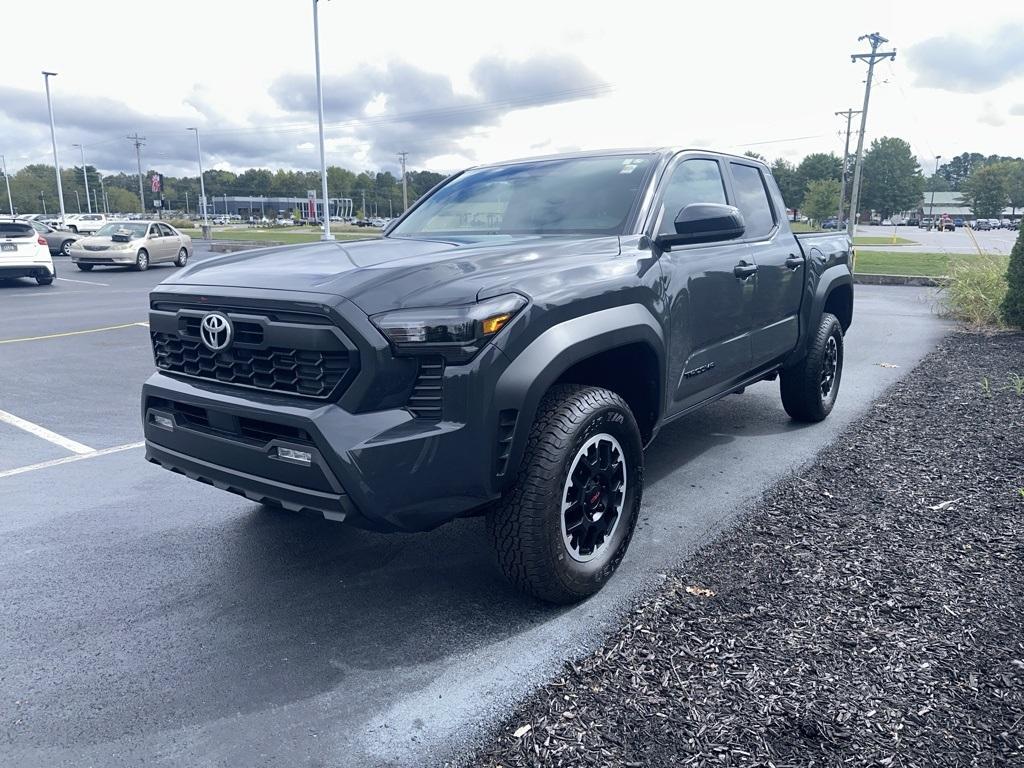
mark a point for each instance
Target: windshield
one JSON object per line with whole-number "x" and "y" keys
{"x": 123, "y": 228}
{"x": 584, "y": 195}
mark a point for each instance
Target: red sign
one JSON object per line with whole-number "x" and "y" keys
{"x": 156, "y": 183}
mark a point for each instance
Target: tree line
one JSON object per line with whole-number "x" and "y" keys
{"x": 35, "y": 187}
{"x": 893, "y": 181}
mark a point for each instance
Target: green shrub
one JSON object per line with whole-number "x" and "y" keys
{"x": 181, "y": 223}
{"x": 975, "y": 290}
{"x": 1013, "y": 302}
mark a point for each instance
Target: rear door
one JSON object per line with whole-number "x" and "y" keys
{"x": 171, "y": 242}
{"x": 780, "y": 275}
{"x": 709, "y": 304}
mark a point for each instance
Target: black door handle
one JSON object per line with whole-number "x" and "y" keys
{"x": 744, "y": 270}
{"x": 794, "y": 262}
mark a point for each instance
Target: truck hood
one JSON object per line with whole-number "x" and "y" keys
{"x": 392, "y": 273}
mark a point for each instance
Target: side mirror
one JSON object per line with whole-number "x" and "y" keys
{"x": 703, "y": 223}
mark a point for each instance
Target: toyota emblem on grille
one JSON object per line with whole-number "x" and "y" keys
{"x": 215, "y": 331}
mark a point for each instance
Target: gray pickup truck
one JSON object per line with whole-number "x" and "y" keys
{"x": 507, "y": 348}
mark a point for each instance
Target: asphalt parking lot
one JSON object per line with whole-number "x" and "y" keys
{"x": 152, "y": 620}
{"x": 997, "y": 241}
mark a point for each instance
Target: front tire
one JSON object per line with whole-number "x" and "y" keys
{"x": 142, "y": 261}
{"x": 809, "y": 389}
{"x": 561, "y": 531}
{"x": 85, "y": 267}
{"x": 182, "y": 259}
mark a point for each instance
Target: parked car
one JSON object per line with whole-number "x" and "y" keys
{"x": 24, "y": 252}
{"x": 983, "y": 225}
{"x": 946, "y": 224}
{"x": 57, "y": 240}
{"x": 1005, "y": 224}
{"x": 958, "y": 222}
{"x": 86, "y": 223}
{"x": 514, "y": 368}
{"x": 132, "y": 243}
{"x": 830, "y": 224}
{"x": 913, "y": 221}
{"x": 926, "y": 222}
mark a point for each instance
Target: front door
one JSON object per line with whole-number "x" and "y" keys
{"x": 710, "y": 304}
{"x": 780, "y": 275}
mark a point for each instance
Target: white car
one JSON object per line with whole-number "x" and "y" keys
{"x": 85, "y": 223}
{"x": 24, "y": 252}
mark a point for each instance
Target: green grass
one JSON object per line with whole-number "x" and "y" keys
{"x": 890, "y": 240}
{"x": 914, "y": 264}
{"x": 286, "y": 235}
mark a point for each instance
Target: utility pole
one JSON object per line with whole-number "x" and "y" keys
{"x": 7, "y": 179}
{"x": 103, "y": 194}
{"x": 363, "y": 191}
{"x": 138, "y": 157}
{"x": 202, "y": 185}
{"x": 43, "y": 201}
{"x": 78, "y": 201}
{"x": 875, "y": 40}
{"x": 187, "y": 211}
{"x": 405, "y": 184}
{"x": 320, "y": 117}
{"x": 931, "y": 204}
{"x": 85, "y": 175}
{"x": 848, "y": 114}
{"x": 53, "y": 140}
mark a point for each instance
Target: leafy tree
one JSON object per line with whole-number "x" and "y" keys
{"x": 786, "y": 177}
{"x": 937, "y": 183}
{"x": 1013, "y": 302}
{"x": 821, "y": 199}
{"x": 892, "y": 177}
{"x": 987, "y": 191}
{"x": 817, "y": 166}
{"x": 1015, "y": 184}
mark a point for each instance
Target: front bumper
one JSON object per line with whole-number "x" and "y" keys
{"x": 81, "y": 256}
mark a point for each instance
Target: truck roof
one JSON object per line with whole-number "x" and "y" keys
{"x": 661, "y": 151}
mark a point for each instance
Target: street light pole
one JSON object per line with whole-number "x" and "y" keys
{"x": 78, "y": 201}
{"x": 320, "y": 116}
{"x": 202, "y": 184}
{"x": 10, "y": 200}
{"x": 405, "y": 184}
{"x": 103, "y": 193}
{"x": 53, "y": 140}
{"x": 85, "y": 176}
{"x": 931, "y": 205}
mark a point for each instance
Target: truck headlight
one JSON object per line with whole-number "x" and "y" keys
{"x": 458, "y": 333}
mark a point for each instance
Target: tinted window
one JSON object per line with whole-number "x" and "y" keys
{"x": 154, "y": 230}
{"x": 582, "y": 195}
{"x": 752, "y": 200}
{"x": 16, "y": 229}
{"x": 693, "y": 181}
{"x": 166, "y": 231}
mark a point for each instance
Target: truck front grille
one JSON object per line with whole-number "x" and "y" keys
{"x": 297, "y": 371}
{"x": 286, "y": 352}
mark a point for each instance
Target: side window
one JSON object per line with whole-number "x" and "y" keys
{"x": 154, "y": 230}
{"x": 166, "y": 231}
{"x": 752, "y": 200}
{"x": 693, "y": 181}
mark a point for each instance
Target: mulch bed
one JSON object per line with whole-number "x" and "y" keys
{"x": 868, "y": 612}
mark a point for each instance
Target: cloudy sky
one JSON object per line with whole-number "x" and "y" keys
{"x": 456, "y": 83}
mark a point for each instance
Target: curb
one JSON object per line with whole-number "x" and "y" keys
{"x": 230, "y": 246}
{"x": 917, "y": 280}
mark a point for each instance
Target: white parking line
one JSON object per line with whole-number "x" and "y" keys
{"x": 69, "y": 459}
{"x": 64, "y": 442}
{"x": 84, "y": 282}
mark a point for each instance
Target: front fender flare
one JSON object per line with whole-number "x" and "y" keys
{"x": 534, "y": 370}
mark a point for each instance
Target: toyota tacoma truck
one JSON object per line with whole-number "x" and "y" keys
{"x": 507, "y": 348}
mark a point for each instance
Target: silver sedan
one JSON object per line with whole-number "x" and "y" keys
{"x": 57, "y": 240}
{"x": 132, "y": 243}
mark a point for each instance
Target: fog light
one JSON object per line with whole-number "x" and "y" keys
{"x": 296, "y": 457}
{"x": 163, "y": 421}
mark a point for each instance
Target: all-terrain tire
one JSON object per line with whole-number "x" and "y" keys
{"x": 526, "y": 525}
{"x": 809, "y": 388}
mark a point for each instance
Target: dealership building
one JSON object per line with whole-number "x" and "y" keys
{"x": 272, "y": 207}
{"x": 952, "y": 204}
